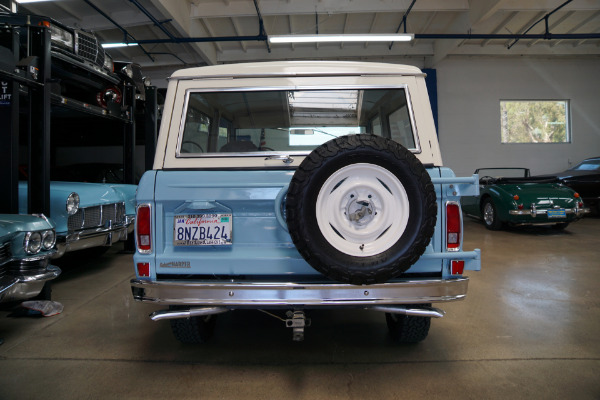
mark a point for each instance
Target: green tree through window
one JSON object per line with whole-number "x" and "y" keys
{"x": 535, "y": 121}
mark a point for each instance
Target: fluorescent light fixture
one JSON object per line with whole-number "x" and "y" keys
{"x": 30, "y": 1}
{"x": 112, "y": 45}
{"x": 370, "y": 37}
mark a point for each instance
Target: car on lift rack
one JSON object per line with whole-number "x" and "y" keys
{"x": 26, "y": 244}
{"x": 83, "y": 74}
{"x": 511, "y": 196}
{"x": 88, "y": 215}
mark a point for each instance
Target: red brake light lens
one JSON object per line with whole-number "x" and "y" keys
{"x": 144, "y": 237}
{"x": 453, "y": 226}
{"x": 143, "y": 269}
{"x": 457, "y": 267}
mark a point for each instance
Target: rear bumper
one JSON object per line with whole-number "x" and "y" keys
{"x": 267, "y": 294}
{"x": 578, "y": 212}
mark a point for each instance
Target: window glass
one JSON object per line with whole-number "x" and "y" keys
{"x": 400, "y": 127}
{"x": 590, "y": 165}
{"x": 535, "y": 121}
{"x": 196, "y": 130}
{"x": 376, "y": 126}
{"x": 291, "y": 120}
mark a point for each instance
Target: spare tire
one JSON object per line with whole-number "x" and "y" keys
{"x": 361, "y": 209}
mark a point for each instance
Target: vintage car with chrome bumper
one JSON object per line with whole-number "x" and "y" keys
{"x": 511, "y": 196}
{"x": 88, "y": 215}
{"x": 26, "y": 245}
{"x": 289, "y": 186}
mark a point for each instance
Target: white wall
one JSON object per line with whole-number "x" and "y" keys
{"x": 469, "y": 94}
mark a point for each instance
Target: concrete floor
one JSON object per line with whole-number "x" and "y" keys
{"x": 529, "y": 329}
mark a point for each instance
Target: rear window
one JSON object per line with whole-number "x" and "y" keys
{"x": 292, "y": 121}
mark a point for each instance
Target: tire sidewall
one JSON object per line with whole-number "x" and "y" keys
{"x": 322, "y": 255}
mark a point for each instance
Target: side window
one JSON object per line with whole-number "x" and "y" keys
{"x": 376, "y": 126}
{"x": 196, "y": 130}
{"x": 400, "y": 127}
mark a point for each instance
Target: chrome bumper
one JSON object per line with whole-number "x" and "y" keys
{"x": 266, "y": 294}
{"x": 94, "y": 237}
{"x": 533, "y": 212}
{"x": 24, "y": 286}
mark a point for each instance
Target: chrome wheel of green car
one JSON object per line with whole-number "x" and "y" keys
{"x": 490, "y": 215}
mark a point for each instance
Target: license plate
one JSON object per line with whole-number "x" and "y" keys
{"x": 202, "y": 230}
{"x": 557, "y": 213}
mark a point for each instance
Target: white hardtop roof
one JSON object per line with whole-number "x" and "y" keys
{"x": 296, "y": 68}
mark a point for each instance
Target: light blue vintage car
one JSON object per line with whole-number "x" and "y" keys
{"x": 87, "y": 214}
{"x": 292, "y": 186}
{"x": 26, "y": 244}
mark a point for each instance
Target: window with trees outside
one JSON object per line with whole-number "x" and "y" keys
{"x": 535, "y": 121}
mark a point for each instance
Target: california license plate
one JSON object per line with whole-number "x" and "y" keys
{"x": 202, "y": 230}
{"x": 557, "y": 213}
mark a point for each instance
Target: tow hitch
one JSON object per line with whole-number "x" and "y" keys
{"x": 296, "y": 320}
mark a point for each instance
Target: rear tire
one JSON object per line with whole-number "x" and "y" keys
{"x": 194, "y": 330}
{"x": 407, "y": 329}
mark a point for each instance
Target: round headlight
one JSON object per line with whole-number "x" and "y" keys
{"x": 72, "y": 203}
{"x": 33, "y": 242}
{"x": 48, "y": 240}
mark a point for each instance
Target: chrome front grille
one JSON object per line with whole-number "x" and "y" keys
{"x": 97, "y": 217}
{"x": 89, "y": 48}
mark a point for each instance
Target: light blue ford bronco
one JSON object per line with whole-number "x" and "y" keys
{"x": 289, "y": 186}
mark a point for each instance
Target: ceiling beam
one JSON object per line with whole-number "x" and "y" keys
{"x": 245, "y": 8}
{"x": 526, "y": 26}
{"x": 554, "y": 25}
{"x": 480, "y": 11}
{"x": 179, "y": 12}
{"x": 354, "y": 51}
{"x": 238, "y": 31}
{"x": 501, "y": 25}
{"x": 586, "y": 21}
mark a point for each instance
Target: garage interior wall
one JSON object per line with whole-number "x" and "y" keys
{"x": 469, "y": 94}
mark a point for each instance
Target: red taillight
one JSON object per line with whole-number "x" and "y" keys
{"x": 144, "y": 237}
{"x": 143, "y": 269}
{"x": 453, "y": 226}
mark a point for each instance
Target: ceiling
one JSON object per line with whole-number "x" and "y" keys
{"x": 223, "y": 22}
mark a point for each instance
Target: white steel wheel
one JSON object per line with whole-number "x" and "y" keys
{"x": 362, "y": 209}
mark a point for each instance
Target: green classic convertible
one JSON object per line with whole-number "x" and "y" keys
{"x": 511, "y": 196}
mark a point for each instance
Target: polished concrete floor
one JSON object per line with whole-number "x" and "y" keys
{"x": 529, "y": 329}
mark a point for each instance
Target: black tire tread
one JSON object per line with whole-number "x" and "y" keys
{"x": 341, "y": 147}
{"x": 193, "y": 330}
{"x": 407, "y": 329}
